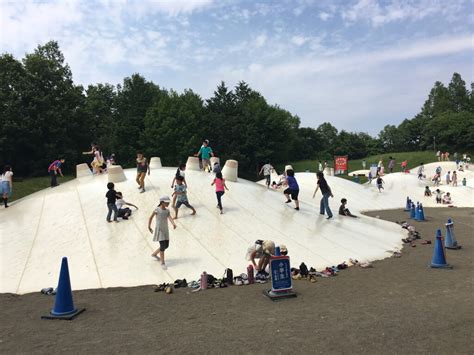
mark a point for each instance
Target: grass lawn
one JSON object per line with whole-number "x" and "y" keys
{"x": 30, "y": 185}
{"x": 414, "y": 160}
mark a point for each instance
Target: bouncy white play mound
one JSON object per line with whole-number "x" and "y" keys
{"x": 69, "y": 220}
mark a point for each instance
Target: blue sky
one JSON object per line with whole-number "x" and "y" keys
{"x": 358, "y": 64}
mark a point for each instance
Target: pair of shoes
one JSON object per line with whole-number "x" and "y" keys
{"x": 180, "y": 283}
{"x": 238, "y": 281}
{"x": 261, "y": 277}
{"x": 342, "y": 266}
{"x": 245, "y": 279}
{"x": 220, "y": 283}
{"x": 48, "y": 291}
{"x": 194, "y": 285}
{"x": 159, "y": 288}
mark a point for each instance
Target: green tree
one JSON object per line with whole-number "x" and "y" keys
{"x": 328, "y": 135}
{"x": 14, "y": 123}
{"x": 99, "y": 106}
{"x": 172, "y": 127}
{"x": 134, "y": 99}
{"x": 55, "y": 123}
{"x": 438, "y": 101}
{"x": 458, "y": 94}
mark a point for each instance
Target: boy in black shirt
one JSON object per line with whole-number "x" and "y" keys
{"x": 111, "y": 196}
{"x": 345, "y": 211}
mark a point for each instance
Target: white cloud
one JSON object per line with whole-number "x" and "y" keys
{"x": 395, "y": 11}
{"x": 329, "y": 70}
{"x": 324, "y": 16}
{"x": 352, "y": 89}
{"x": 260, "y": 40}
{"x": 299, "y": 40}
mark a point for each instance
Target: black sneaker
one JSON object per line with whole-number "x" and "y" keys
{"x": 288, "y": 201}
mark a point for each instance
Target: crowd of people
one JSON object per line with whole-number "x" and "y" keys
{"x": 118, "y": 207}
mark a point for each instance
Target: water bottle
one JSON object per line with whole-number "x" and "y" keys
{"x": 250, "y": 274}
{"x": 203, "y": 280}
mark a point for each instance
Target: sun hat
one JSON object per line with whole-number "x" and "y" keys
{"x": 165, "y": 199}
{"x": 268, "y": 247}
{"x": 283, "y": 249}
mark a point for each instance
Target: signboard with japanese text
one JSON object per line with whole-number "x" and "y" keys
{"x": 340, "y": 164}
{"x": 281, "y": 273}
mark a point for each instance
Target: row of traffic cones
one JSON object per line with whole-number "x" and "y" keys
{"x": 416, "y": 212}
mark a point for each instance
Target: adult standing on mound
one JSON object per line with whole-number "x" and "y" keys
{"x": 206, "y": 153}
{"x": 267, "y": 169}
{"x": 7, "y": 184}
{"x": 391, "y": 164}
{"x": 54, "y": 169}
{"x": 326, "y": 191}
{"x": 142, "y": 168}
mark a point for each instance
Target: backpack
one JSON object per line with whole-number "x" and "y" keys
{"x": 229, "y": 276}
{"x": 303, "y": 270}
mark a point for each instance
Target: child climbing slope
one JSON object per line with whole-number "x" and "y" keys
{"x": 161, "y": 233}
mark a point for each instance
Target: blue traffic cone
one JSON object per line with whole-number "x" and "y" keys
{"x": 64, "y": 305}
{"x": 450, "y": 242}
{"x": 412, "y": 211}
{"x": 439, "y": 256}
{"x": 417, "y": 212}
{"x": 422, "y": 213}
{"x": 408, "y": 205}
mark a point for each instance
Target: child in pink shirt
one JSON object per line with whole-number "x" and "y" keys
{"x": 219, "y": 181}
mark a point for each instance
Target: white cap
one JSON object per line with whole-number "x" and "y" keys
{"x": 165, "y": 199}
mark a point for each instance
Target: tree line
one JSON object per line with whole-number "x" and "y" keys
{"x": 44, "y": 115}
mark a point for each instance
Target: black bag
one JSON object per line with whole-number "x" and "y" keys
{"x": 303, "y": 270}
{"x": 210, "y": 279}
{"x": 229, "y": 276}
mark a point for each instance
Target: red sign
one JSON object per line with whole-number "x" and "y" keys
{"x": 340, "y": 163}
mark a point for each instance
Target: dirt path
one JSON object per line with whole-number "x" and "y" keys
{"x": 399, "y": 306}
